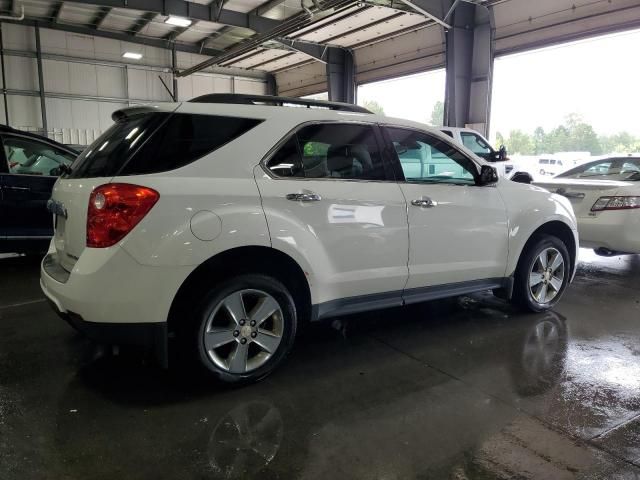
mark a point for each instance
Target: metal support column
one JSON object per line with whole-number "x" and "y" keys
{"x": 272, "y": 85}
{"x": 174, "y": 69}
{"x": 469, "y": 62}
{"x": 43, "y": 106}
{"x": 4, "y": 79}
{"x": 341, "y": 78}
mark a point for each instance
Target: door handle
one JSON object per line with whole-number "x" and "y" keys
{"x": 424, "y": 202}
{"x": 573, "y": 195}
{"x": 304, "y": 197}
{"x": 20, "y": 189}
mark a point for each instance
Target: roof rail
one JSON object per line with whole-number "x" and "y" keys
{"x": 243, "y": 99}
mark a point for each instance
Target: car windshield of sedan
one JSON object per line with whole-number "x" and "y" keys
{"x": 627, "y": 169}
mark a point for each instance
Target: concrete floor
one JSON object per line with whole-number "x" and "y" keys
{"x": 461, "y": 389}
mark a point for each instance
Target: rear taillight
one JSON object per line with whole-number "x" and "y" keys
{"x": 114, "y": 209}
{"x": 616, "y": 203}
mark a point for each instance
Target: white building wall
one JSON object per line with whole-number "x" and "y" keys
{"x": 86, "y": 80}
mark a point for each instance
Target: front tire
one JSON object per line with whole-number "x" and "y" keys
{"x": 543, "y": 273}
{"x": 245, "y": 328}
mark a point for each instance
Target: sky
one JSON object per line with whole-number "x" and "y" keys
{"x": 597, "y": 78}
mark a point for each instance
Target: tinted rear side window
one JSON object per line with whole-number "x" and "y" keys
{"x": 185, "y": 138}
{"x": 108, "y": 154}
{"x": 157, "y": 142}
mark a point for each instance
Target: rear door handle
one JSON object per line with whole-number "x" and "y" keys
{"x": 20, "y": 189}
{"x": 304, "y": 197}
{"x": 424, "y": 202}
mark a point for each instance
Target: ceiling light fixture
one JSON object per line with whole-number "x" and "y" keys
{"x": 132, "y": 55}
{"x": 178, "y": 21}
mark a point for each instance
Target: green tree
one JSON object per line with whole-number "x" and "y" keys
{"x": 582, "y": 136}
{"x": 437, "y": 114}
{"x": 520, "y": 142}
{"x": 373, "y": 106}
{"x": 539, "y": 141}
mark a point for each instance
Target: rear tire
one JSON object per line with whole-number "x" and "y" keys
{"x": 244, "y": 328}
{"x": 542, "y": 274}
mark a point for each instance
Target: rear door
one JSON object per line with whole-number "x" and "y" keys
{"x": 33, "y": 167}
{"x": 328, "y": 196}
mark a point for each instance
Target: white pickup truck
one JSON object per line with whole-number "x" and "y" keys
{"x": 479, "y": 145}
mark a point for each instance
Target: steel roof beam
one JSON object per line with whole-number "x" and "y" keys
{"x": 100, "y": 17}
{"x": 125, "y": 37}
{"x": 192, "y": 11}
{"x": 142, "y": 22}
{"x": 56, "y": 11}
{"x": 176, "y": 32}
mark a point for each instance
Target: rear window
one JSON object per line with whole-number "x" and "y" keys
{"x": 108, "y": 154}
{"x": 158, "y": 142}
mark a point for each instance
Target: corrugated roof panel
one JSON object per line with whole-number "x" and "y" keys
{"x": 33, "y": 9}
{"x": 293, "y": 58}
{"x": 82, "y": 15}
{"x": 372, "y": 32}
{"x": 263, "y": 55}
{"x": 284, "y": 10}
{"x": 242, "y": 5}
{"x": 121, "y": 20}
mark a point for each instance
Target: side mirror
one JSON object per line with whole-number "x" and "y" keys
{"x": 522, "y": 177}
{"x": 502, "y": 153}
{"x": 488, "y": 175}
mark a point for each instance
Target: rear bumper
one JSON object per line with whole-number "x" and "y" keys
{"x": 151, "y": 336}
{"x": 617, "y": 230}
{"x": 112, "y": 299}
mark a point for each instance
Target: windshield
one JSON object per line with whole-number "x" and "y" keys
{"x": 608, "y": 169}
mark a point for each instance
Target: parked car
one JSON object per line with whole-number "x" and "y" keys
{"x": 550, "y": 166}
{"x": 479, "y": 145}
{"x": 605, "y": 194}
{"x": 214, "y": 230}
{"x": 29, "y": 166}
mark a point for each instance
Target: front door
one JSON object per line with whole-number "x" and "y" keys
{"x": 32, "y": 169}
{"x": 329, "y": 199}
{"x": 458, "y": 231}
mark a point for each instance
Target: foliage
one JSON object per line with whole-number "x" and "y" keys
{"x": 437, "y": 114}
{"x": 373, "y": 106}
{"x": 575, "y": 135}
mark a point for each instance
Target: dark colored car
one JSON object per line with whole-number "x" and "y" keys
{"x": 29, "y": 166}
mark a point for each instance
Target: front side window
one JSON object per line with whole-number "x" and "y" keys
{"x": 428, "y": 159}
{"x": 475, "y": 143}
{"x": 30, "y": 157}
{"x": 330, "y": 150}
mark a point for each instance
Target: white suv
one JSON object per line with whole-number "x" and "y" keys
{"x": 215, "y": 228}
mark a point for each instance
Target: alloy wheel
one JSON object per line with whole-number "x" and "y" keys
{"x": 547, "y": 275}
{"x": 243, "y": 331}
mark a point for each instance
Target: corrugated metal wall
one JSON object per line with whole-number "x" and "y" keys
{"x": 86, "y": 79}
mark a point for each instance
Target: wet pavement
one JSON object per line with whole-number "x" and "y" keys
{"x": 458, "y": 389}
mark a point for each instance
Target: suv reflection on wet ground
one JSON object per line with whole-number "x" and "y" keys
{"x": 457, "y": 389}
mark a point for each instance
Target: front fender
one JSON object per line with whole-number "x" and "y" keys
{"x": 529, "y": 209}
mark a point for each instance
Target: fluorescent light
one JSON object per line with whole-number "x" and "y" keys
{"x": 178, "y": 21}
{"x": 132, "y": 55}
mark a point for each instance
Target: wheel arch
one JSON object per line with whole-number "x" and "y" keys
{"x": 558, "y": 229}
{"x": 236, "y": 261}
